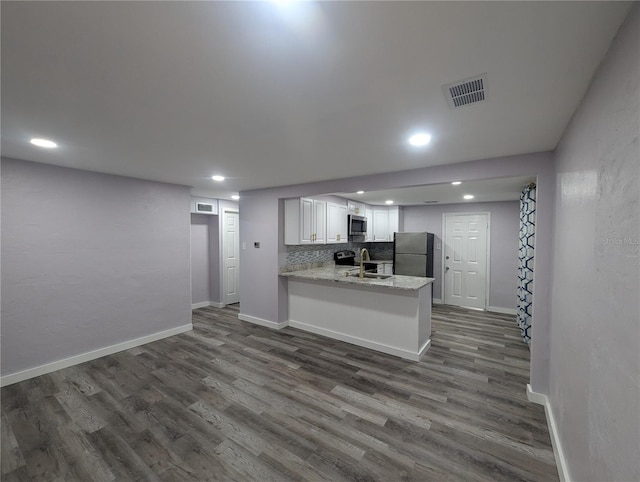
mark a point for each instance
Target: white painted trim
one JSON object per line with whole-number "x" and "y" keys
{"x": 437, "y": 301}
{"x": 90, "y": 355}
{"x": 204, "y": 304}
{"x": 390, "y": 350}
{"x": 262, "y": 322}
{"x": 506, "y": 311}
{"x": 561, "y": 462}
{"x": 535, "y": 397}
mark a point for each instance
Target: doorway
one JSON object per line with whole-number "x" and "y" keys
{"x": 465, "y": 259}
{"x": 202, "y": 228}
{"x": 231, "y": 257}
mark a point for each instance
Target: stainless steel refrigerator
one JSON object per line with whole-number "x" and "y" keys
{"x": 413, "y": 254}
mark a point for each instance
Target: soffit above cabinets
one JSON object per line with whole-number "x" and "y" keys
{"x": 488, "y": 190}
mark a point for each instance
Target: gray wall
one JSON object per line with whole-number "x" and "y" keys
{"x": 505, "y": 223}
{"x": 264, "y": 294}
{"x": 595, "y": 337}
{"x": 88, "y": 260}
{"x": 205, "y": 282}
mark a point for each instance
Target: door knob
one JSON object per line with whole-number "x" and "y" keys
{"x": 446, "y": 257}
{"x": 447, "y": 268}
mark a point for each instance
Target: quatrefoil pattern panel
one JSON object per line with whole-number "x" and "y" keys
{"x": 526, "y": 250}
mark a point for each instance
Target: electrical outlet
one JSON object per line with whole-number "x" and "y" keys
{"x": 256, "y": 244}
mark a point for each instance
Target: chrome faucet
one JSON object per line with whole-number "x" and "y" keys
{"x": 362, "y": 251}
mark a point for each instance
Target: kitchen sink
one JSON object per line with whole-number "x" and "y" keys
{"x": 377, "y": 275}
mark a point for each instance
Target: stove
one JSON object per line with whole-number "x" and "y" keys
{"x": 345, "y": 258}
{"x": 348, "y": 258}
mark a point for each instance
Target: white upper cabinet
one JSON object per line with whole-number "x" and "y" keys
{"x": 395, "y": 224}
{"x": 368, "y": 212}
{"x": 311, "y": 221}
{"x": 380, "y": 225}
{"x": 356, "y": 208}
{"x": 336, "y": 223}
{"x": 385, "y": 222}
{"x": 320, "y": 222}
{"x": 305, "y": 221}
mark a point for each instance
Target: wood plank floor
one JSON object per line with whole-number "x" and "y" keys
{"x": 235, "y": 401}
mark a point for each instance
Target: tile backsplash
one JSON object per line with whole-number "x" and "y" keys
{"x": 315, "y": 255}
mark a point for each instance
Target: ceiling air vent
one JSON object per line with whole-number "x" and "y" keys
{"x": 429, "y": 202}
{"x": 465, "y": 92}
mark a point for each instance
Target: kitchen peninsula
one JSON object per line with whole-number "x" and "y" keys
{"x": 390, "y": 314}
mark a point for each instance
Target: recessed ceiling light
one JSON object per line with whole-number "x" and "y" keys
{"x": 218, "y": 178}
{"x": 456, "y": 183}
{"x": 360, "y": 192}
{"x": 468, "y": 196}
{"x": 388, "y": 201}
{"x": 235, "y": 197}
{"x": 420, "y": 139}
{"x": 43, "y": 143}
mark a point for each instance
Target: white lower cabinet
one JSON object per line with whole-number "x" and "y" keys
{"x": 385, "y": 268}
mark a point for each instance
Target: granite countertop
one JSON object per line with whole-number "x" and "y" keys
{"x": 349, "y": 275}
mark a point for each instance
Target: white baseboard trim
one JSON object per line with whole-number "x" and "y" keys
{"x": 390, "y": 350}
{"x": 262, "y": 322}
{"x": 561, "y": 462}
{"x": 204, "y": 304}
{"x": 536, "y": 397}
{"x": 424, "y": 349}
{"x": 90, "y": 355}
{"x": 506, "y": 311}
{"x": 437, "y": 301}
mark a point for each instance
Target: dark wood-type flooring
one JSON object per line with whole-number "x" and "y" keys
{"x": 236, "y": 401}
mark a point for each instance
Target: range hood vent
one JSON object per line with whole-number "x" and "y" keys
{"x": 466, "y": 92}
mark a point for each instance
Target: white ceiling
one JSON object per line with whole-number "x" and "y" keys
{"x": 273, "y": 94}
{"x": 488, "y": 190}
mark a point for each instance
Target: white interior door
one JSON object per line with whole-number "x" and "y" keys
{"x": 465, "y": 260}
{"x": 231, "y": 261}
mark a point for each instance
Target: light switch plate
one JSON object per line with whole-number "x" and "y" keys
{"x": 437, "y": 245}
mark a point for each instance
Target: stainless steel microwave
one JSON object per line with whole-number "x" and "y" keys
{"x": 357, "y": 225}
